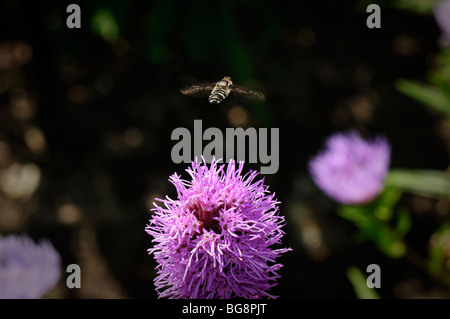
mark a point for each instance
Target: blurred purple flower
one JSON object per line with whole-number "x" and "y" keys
{"x": 442, "y": 15}
{"x": 215, "y": 240}
{"x": 351, "y": 170}
{"x": 27, "y": 270}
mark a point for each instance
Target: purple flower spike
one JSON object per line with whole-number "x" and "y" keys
{"x": 215, "y": 240}
{"x": 351, "y": 170}
{"x": 27, "y": 270}
{"x": 442, "y": 15}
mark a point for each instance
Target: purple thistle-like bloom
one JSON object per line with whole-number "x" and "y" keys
{"x": 27, "y": 270}
{"x": 442, "y": 15}
{"x": 214, "y": 240}
{"x": 351, "y": 170}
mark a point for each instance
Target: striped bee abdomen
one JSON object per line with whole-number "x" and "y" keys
{"x": 218, "y": 94}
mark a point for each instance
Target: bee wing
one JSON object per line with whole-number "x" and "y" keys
{"x": 202, "y": 90}
{"x": 243, "y": 93}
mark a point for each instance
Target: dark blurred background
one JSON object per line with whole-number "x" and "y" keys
{"x": 86, "y": 117}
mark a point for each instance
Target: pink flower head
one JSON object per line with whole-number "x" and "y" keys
{"x": 442, "y": 15}
{"x": 214, "y": 240}
{"x": 350, "y": 169}
{"x": 27, "y": 270}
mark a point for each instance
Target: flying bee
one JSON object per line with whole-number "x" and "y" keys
{"x": 220, "y": 90}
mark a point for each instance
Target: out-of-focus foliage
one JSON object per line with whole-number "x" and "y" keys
{"x": 377, "y": 222}
{"x": 435, "y": 95}
{"x": 419, "y": 6}
{"x": 104, "y": 24}
{"x": 385, "y": 221}
{"x": 439, "y": 250}
{"x": 430, "y": 183}
{"x": 358, "y": 281}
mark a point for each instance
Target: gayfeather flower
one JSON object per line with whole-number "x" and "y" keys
{"x": 214, "y": 240}
{"x": 351, "y": 170}
{"x": 442, "y": 15}
{"x": 27, "y": 270}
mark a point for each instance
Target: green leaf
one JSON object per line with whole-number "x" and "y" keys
{"x": 360, "y": 215}
{"x": 438, "y": 249}
{"x": 374, "y": 229}
{"x": 359, "y": 283}
{"x": 418, "y": 6}
{"x": 386, "y": 203}
{"x": 403, "y": 222}
{"x": 430, "y": 96}
{"x": 389, "y": 242}
{"x": 436, "y": 260}
{"x": 430, "y": 183}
